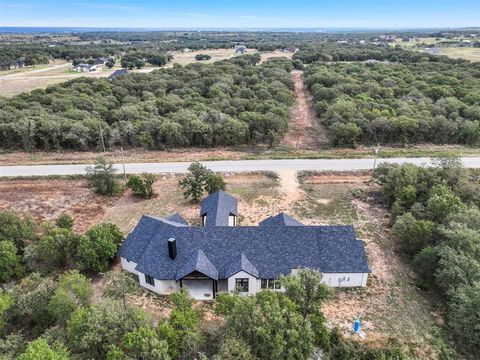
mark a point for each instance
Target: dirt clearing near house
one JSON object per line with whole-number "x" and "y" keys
{"x": 304, "y": 129}
{"x": 390, "y": 306}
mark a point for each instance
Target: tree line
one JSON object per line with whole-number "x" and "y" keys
{"x": 227, "y": 103}
{"x": 436, "y": 217}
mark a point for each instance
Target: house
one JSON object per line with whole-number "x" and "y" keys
{"x": 86, "y": 68}
{"x": 118, "y": 73}
{"x": 168, "y": 253}
{"x": 240, "y": 49}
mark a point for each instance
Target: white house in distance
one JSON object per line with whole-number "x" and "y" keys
{"x": 168, "y": 253}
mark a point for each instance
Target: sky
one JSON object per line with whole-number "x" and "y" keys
{"x": 241, "y": 13}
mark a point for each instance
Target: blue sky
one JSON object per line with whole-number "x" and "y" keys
{"x": 241, "y": 13}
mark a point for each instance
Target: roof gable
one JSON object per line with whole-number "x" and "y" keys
{"x": 241, "y": 264}
{"x": 281, "y": 219}
{"x": 199, "y": 263}
{"x": 177, "y": 218}
{"x": 217, "y": 207}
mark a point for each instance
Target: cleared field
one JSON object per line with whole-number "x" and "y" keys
{"x": 472, "y": 54}
{"x": 391, "y": 304}
{"x": 28, "y": 79}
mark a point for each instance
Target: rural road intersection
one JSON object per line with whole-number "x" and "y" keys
{"x": 227, "y": 166}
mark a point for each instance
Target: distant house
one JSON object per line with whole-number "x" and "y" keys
{"x": 388, "y": 37}
{"x": 87, "y": 68}
{"x": 240, "y": 49}
{"x": 16, "y": 64}
{"x": 118, "y": 73}
{"x": 168, "y": 253}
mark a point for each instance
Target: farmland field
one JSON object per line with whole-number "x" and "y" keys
{"x": 471, "y": 54}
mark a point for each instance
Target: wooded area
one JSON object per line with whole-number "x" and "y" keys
{"x": 394, "y": 96}
{"x": 227, "y": 103}
{"x": 436, "y": 216}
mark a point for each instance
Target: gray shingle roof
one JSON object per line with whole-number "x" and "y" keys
{"x": 271, "y": 250}
{"x": 199, "y": 263}
{"x": 281, "y": 219}
{"x": 218, "y": 206}
{"x": 241, "y": 264}
{"x": 118, "y": 73}
{"x": 178, "y": 219}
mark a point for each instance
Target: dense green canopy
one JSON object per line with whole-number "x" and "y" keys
{"x": 226, "y": 103}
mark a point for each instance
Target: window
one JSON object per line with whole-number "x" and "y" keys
{"x": 204, "y": 219}
{"x": 149, "y": 280}
{"x": 264, "y": 283}
{"x": 270, "y": 284}
{"x": 241, "y": 285}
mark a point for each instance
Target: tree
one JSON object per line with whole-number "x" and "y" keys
{"x": 19, "y": 230}
{"x": 201, "y": 57}
{"x": 110, "y": 63}
{"x": 308, "y": 292}
{"x": 142, "y": 185}
{"x": 98, "y": 246}
{"x": 464, "y": 316}
{"x": 92, "y": 330}
{"x": 344, "y": 134}
{"x": 9, "y": 260}
{"x": 271, "y": 325}
{"x": 144, "y": 343}
{"x": 214, "y": 183}
{"x": 118, "y": 285}
{"x": 65, "y": 221}
{"x": 101, "y": 177}
{"x": 40, "y": 350}
{"x": 54, "y": 250}
{"x": 200, "y": 179}
{"x": 442, "y": 203}
{"x": 179, "y": 331}
{"x": 73, "y": 291}
{"x": 234, "y": 349}
{"x": 6, "y": 301}
{"x": 413, "y": 234}
{"x": 32, "y": 296}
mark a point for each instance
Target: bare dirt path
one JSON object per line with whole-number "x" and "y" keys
{"x": 305, "y": 132}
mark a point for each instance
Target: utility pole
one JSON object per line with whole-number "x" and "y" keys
{"x": 101, "y": 137}
{"x": 123, "y": 164}
{"x": 376, "y": 154}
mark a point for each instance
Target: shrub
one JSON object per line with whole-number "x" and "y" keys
{"x": 142, "y": 185}
{"x": 101, "y": 177}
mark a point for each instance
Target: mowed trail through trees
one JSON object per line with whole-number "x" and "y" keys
{"x": 304, "y": 129}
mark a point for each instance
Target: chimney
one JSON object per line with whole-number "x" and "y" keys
{"x": 172, "y": 248}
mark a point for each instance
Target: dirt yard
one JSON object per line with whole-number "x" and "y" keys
{"x": 390, "y": 306}
{"x": 304, "y": 129}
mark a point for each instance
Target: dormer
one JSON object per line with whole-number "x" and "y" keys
{"x": 219, "y": 209}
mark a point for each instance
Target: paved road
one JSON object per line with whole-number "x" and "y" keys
{"x": 233, "y": 166}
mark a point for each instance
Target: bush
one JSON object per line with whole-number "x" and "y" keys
{"x": 98, "y": 247}
{"x": 102, "y": 178}
{"x": 344, "y": 134}
{"x": 9, "y": 260}
{"x": 142, "y": 185}
{"x": 65, "y": 221}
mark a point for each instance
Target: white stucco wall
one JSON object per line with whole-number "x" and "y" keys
{"x": 162, "y": 287}
{"x": 128, "y": 266}
{"x": 199, "y": 289}
{"x": 253, "y": 282}
{"x": 345, "y": 279}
